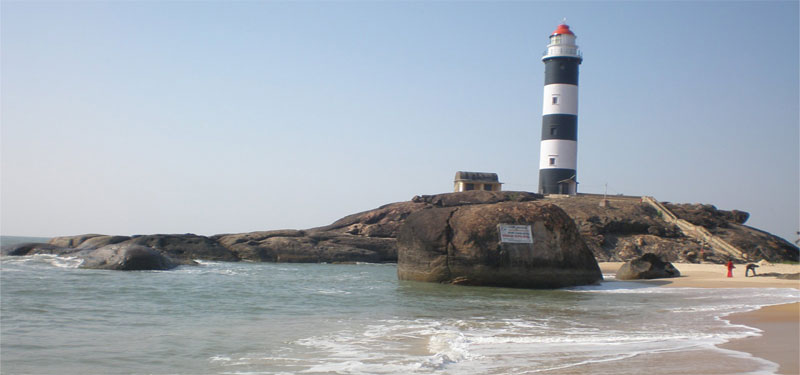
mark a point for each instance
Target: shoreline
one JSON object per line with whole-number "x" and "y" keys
{"x": 779, "y": 340}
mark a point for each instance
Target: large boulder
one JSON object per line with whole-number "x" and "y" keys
{"x": 386, "y": 220}
{"x": 462, "y": 245}
{"x": 648, "y": 266}
{"x": 125, "y": 257}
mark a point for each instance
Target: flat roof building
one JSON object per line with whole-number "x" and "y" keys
{"x": 466, "y": 181}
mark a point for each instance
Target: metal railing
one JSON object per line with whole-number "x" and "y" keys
{"x": 562, "y": 51}
{"x": 695, "y": 231}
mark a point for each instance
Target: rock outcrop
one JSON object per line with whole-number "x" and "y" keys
{"x": 623, "y": 229}
{"x": 462, "y": 245}
{"x": 314, "y": 246}
{"x": 648, "y": 266}
{"x": 627, "y": 228}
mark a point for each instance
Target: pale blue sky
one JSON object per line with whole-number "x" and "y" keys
{"x": 213, "y": 117}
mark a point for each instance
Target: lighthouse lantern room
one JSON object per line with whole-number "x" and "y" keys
{"x": 559, "y": 148}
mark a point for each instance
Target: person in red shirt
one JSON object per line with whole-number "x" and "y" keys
{"x": 730, "y": 268}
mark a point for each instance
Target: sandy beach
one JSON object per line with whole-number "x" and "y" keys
{"x": 780, "y": 340}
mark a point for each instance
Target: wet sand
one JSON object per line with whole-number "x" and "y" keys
{"x": 780, "y": 340}
{"x": 781, "y": 336}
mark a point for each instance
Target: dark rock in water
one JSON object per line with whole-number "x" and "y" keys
{"x": 648, "y": 266}
{"x": 185, "y": 247}
{"x": 125, "y": 257}
{"x": 462, "y": 245}
{"x": 30, "y": 248}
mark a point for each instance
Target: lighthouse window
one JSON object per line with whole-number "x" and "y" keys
{"x": 552, "y": 161}
{"x": 555, "y": 100}
{"x": 553, "y": 130}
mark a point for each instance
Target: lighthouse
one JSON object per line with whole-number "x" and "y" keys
{"x": 558, "y": 155}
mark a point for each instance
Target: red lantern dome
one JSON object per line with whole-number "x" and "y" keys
{"x": 562, "y": 29}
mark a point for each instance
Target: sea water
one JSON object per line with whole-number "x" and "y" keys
{"x": 266, "y": 318}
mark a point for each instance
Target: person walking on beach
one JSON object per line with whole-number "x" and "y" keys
{"x": 730, "y": 268}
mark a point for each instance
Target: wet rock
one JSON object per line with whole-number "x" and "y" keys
{"x": 30, "y": 248}
{"x": 122, "y": 257}
{"x": 125, "y": 257}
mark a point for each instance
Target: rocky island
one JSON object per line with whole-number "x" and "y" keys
{"x": 614, "y": 228}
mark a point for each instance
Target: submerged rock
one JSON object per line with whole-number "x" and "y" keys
{"x": 462, "y": 245}
{"x": 648, "y": 266}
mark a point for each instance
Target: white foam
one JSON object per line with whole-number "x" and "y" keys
{"x": 469, "y": 331}
{"x": 448, "y": 347}
{"x": 59, "y": 261}
{"x": 206, "y": 262}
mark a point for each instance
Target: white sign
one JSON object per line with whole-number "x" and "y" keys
{"x": 515, "y": 233}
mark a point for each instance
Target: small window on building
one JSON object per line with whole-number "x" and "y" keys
{"x": 487, "y": 187}
{"x": 552, "y": 161}
{"x": 469, "y": 186}
{"x": 555, "y": 100}
{"x": 553, "y": 130}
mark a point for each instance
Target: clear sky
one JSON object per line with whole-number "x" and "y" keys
{"x": 218, "y": 117}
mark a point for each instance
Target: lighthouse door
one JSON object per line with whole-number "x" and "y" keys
{"x": 567, "y": 187}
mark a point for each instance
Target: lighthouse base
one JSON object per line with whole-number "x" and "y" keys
{"x": 558, "y": 181}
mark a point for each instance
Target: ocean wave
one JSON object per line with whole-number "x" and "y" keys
{"x": 41, "y": 259}
{"x": 252, "y": 318}
{"x": 448, "y": 347}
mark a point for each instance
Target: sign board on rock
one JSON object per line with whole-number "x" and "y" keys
{"x": 515, "y": 233}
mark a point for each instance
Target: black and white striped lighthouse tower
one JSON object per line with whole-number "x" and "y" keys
{"x": 558, "y": 156}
